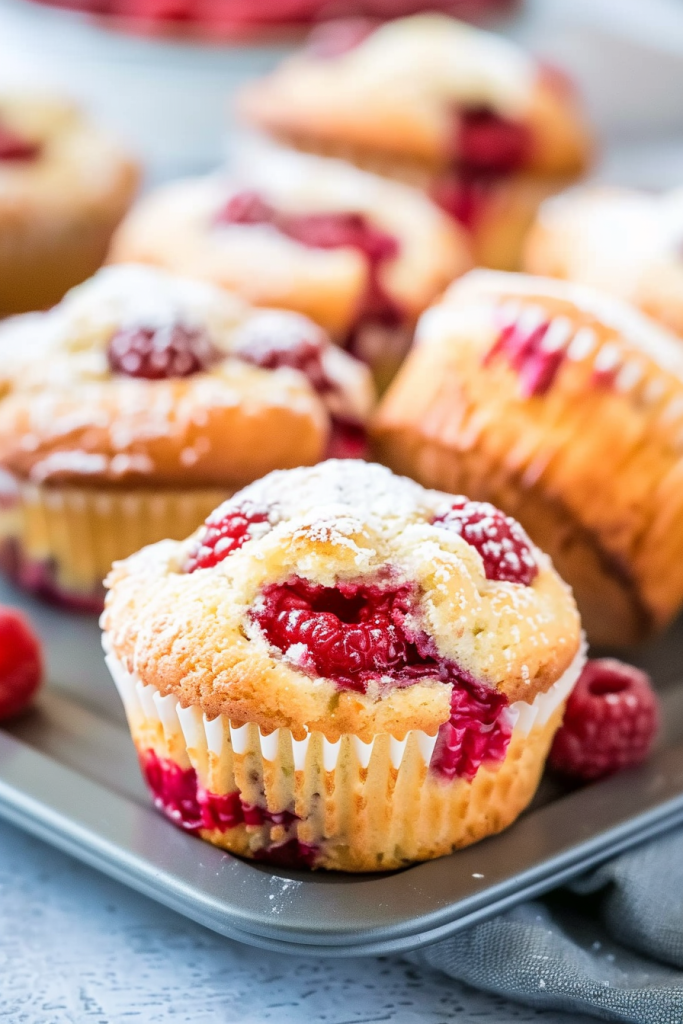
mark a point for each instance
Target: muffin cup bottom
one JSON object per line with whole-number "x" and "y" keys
{"x": 344, "y": 805}
{"x": 60, "y": 542}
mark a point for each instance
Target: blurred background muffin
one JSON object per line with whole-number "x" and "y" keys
{"x": 360, "y": 254}
{"x": 140, "y": 402}
{"x": 64, "y": 186}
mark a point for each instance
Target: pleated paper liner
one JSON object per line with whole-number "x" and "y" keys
{"x": 61, "y": 541}
{"x": 344, "y": 805}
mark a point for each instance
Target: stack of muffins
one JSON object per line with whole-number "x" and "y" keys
{"x": 324, "y": 664}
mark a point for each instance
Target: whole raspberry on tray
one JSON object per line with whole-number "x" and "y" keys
{"x": 21, "y": 663}
{"x": 610, "y": 723}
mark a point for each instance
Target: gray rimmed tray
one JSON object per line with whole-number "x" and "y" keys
{"x": 69, "y": 774}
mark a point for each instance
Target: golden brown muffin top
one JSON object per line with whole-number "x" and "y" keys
{"x": 57, "y": 161}
{"x": 196, "y": 619}
{"x": 398, "y": 89}
{"x": 212, "y": 404}
{"x": 564, "y": 391}
{"x": 182, "y": 226}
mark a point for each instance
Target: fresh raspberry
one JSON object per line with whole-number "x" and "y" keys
{"x": 14, "y": 147}
{"x": 246, "y": 207}
{"x": 160, "y": 353}
{"x": 502, "y": 543}
{"x": 487, "y": 142}
{"x": 21, "y": 663}
{"x": 610, "y": 723}
{"x": 226, "y": 529}
{"x": 273, "y": 340}
{"x": 349, "y": 636}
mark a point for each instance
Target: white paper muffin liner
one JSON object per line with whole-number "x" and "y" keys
{"x": 364, "y": 806}
{"x": 63, "y": 539}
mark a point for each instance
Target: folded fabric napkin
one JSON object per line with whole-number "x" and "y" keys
{"x": 610, "y": 945}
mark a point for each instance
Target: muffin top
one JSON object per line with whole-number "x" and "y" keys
{"x": 54, "y": 160}
{"x": 551, "y": 334}
{"x": 626, "y": 242}
{"x": 141, "y": 376}
{"x": 312, "y": 234}
{"x": 556, "y": 392}
{"x": 342, "y": 598}
{"x": 427, "y": 88}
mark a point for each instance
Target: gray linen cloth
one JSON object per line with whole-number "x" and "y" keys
{"x": 610, "y": 945}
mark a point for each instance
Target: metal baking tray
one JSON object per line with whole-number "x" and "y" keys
{"x": 69, "y": 775}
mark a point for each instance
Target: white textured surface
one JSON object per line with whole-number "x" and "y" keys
{"x": 76, "y": 948}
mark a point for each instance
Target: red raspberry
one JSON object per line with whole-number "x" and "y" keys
{"x": 502, "y": 543}
{"x": 463, "y": 195}
{"x": 335, "y": 230}
{"x": 273, "y": 340}
{"x": 160, "y": 353}
{"x": 347, "y": 441}
{"x": 14, "y": 147}
{"x": 246, "y": 207}
{"x": 476, "y": 733}
{"x": 21, "y": 663}
{"x": 349, "y": 635}
{"x": 226, "y": 529}
{"x": 327, "y": 231}
{"x": 487, "y": 142}
{"x": 610, "y": 723}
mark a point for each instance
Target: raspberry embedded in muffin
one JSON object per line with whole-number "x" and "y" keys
{"x": 486, "y": 141}
{"x": 271, "y": 340}
{"x": 328, "y": 231}
{"x": 225, "y": 530}
{"x": 159, "y": 353}
{"x": 505, "y": 549}
{"x": 15, "y": 148}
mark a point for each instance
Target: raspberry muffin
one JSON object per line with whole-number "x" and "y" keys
{"x": 360, "y": 255}
{"x": 564, "y": 407}
{"x": 139, "y": 403}
{"x": 460, "y": 112}
{"x": 64, "y": 186}
{"x": 343, "y": 670}
{"x": 628, "y": 243}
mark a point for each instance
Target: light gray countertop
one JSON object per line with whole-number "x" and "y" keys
{"x": 77, "y": 947}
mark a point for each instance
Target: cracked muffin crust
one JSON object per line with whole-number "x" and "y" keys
{"x": 562, "y": 406}
{"x": 360, "y": 255}
{"x": 462, "y": 113}
{"x": 138, "y": 402}
{"x": 64, "y": 186}
{"x": 340, "y": 647}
